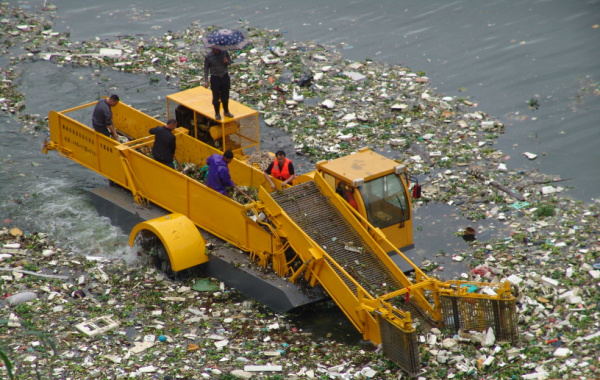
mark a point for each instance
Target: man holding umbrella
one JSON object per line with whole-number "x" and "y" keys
{"x": 216, "y": 63}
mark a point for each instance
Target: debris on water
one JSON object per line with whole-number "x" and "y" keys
{"x": 468, "y": 234}
{"x": 305, "y": 80}
{"x": 546, "y": 190}
{"x": 562, "y": 352}
{"x": 551, "y": 258}
{"x": 111, "y": 53}
{"x": 16, "y": 232}
{"x": 519, "y": 205}
{"x": 263, "y": 368}
{"x": 96, "y": 326}
{"x": 328, "y": 103}
{"x": 139, "y": 347}
{"x": 78, "y": 293}
{"x": 261, "y": 159}
{"x": 20, "y": 298}
{"x": 205, "y": 285}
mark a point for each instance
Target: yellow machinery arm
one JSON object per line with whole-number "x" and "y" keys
{"x": 348, "y": 257}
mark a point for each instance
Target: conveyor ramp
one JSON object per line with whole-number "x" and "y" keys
{"x": 349, "y": 260}
{"x": 345, "y": 264}
{"x": 312, "y": 212}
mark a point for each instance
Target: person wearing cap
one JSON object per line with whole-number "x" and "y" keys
{"x": 218, "y": 177}
{"x": 281, "y": 168}
{"x": 164, "y": 146}
{"x": 102, "y": 116}
{"x": 215, "y": 65}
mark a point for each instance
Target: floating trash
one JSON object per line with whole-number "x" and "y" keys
{"x": 432, "y": 133}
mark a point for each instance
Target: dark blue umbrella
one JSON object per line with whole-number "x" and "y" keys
{"x": 225, "y": 39}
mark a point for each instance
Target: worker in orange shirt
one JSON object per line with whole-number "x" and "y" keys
{"x": 281, "y": 168}
{"x": 347, "y": 192}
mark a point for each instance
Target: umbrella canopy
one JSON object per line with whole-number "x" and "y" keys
{"x": 225, "y": 39}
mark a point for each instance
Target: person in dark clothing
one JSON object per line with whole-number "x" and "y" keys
{"x": 163, "y": 149}
{"x": 102, "y": 116}
{"x": 218, "y": 177}
{"x": 281, "y": 168}
{"x": 184, "y": 117}
{"x": 215, "y": 65}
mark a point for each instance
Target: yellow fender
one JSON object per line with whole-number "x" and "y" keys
{"x": 180, "y": 237}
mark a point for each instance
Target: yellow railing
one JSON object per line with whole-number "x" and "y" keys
{"x": 155, "y": 182}
{"x": 321, "y": 269}
{"x": 376, "y": 241}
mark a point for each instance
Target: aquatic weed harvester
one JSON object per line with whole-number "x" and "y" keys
{"x": 308, "y": 235}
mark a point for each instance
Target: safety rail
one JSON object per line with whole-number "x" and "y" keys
{"x": 373, "y": 317}
{"x": 150, "y": 180}
{"x": 374, "y": 241}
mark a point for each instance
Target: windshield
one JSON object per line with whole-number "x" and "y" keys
{"x": 385, "y": 201}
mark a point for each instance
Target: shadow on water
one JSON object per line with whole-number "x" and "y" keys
{"x": 324, "y": 320}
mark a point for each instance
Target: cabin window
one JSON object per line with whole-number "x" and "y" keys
{"x": 386, "y": 201}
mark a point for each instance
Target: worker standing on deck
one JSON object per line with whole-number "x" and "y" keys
{"x": 215, "y": 64}
{"x": 163, "y": 149}
{"x": 102, "y": 116}
{"x": 281, "y": 168}
{"x": 218, "y": 177}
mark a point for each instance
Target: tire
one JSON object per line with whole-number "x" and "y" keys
{"x": 151, "y": 248}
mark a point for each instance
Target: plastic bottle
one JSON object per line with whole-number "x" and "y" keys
{"x": 21, "y": 298}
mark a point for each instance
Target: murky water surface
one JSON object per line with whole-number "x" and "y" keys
{"x": 500, "y": 53}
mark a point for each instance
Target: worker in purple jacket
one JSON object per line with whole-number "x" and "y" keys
{"x": 218, "y": 177}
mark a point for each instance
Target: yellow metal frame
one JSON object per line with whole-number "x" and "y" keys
{"x": 148, "y": 179}
{"x": 319, "y": 267}
{"x": 183, "y": 242}
{"x": 195, "y": 205}
{"x": 362, "y": 165}
{"x": 199, "y": 101}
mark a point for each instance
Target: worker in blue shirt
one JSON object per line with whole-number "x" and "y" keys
{"x": 218, "y": 177}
